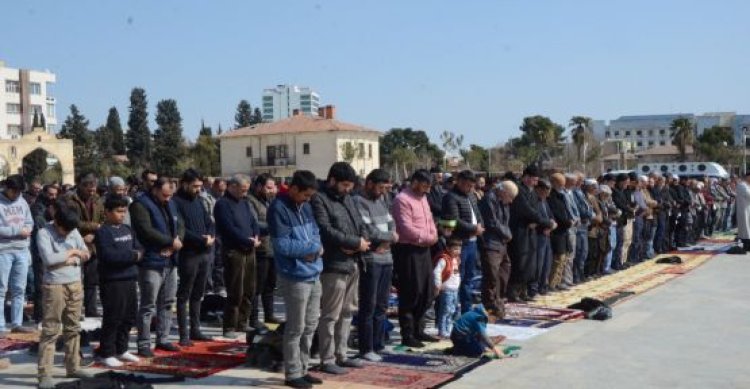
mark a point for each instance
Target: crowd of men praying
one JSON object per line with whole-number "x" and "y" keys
{"x": 333, "y": 248}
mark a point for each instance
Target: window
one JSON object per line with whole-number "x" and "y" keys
{"x": 50, "y": 110}
{"x": 650, "y": 132}
{"x": 650, "y": 143}
{"x": 249, "y": 151}
{"x": 306, "y": 148}
{"x": 13, "y": 108}
{"x": 627, "y": 133}
{"x": 268, "y": 99}
{"x": 12, "y": 86}
{"x": 369, "y": 151}
{"x": 606, "y": 134}
{"x": 36, "y": 109}
{"x": 617, "y": 133}
{"x": 48, "y": 88}
{"x": 662, "y": 143}
{"x": 361, "y": 150}
{"x": 14, "y": 131}
{"x": 640, "y": 144}
{"x": 662, "y": 132}
{"x": 639, "y": 132}
{"x": 35, "y": 88}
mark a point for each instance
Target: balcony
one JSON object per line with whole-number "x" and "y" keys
{"x": 271, "y": 161}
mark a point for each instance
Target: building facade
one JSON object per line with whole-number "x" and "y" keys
{"x": 310, "y": 142}
{"x": 280, "y": 103}
{"x": 24, "y": 93}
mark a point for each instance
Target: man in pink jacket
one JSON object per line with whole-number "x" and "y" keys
{"x": 411, "y": 257}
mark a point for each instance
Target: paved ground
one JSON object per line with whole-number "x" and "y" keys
{"x": 691, "y": 332}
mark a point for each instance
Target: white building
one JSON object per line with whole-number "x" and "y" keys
{"x": 280, "y": 102}
{"x": 310, "y": 142}
{"x": 25, "y": 92}
{"x": 643, "y": 131}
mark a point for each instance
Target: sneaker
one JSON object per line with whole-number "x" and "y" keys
{"x": 332, "y": 368}
{"x": 186, "y": 343}
{"x": 298, "y": 383}
{"x": 22, "y": 330}
{"x": 128, "y": 357}
{"x": 371, "y": 357}
{"x": 273, "y": 320}
{"x": 46, "y": 382}
{"x": 427, "y": 338}
{"x": 112, "y": 362}
{"x": 81, "y": 373}
{"x": 200, "y": 337}
{"x": 354, "y": 363}
{"x": 223, "y": 292}
{"x": 169, "y": 346}
{"x": 312, "y": 380}
{"x": 146, "y": 352}
{"x": 231, "y": 335}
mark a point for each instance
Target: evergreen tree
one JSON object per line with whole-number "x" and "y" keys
{"x": 76, "y": 127}
{"x": 257, "y": 116}
{"x": 244, "y": 115}
{"x": 205, "y": 152}
{"x": 138, "y": 137}
{"x": 168, "y": 142}
{"x": 34, "y": 164}
{"x": 104, "y": 142}
{"x": 115, "y": 131}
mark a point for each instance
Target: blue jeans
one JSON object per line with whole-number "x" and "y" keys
{"x": 14, "y": 266}
{"x": 582, "y": 253}
{"x": 612, "y": 245}
{"x": 446, "y": 311}
{"x": 650, "y": 236}
{"x": 158, "y": 294}
{"x": 544, "y": 263}
{"x": 469, "y": 262}
{"x": 374, "y": 291}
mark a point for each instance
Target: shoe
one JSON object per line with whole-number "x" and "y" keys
{"x": 353, "y": 363}
{"x": 273, "y": 320}
{"x": 112, "y": 362}
{"x": 80, "y": 373}
{"x": 22, "y": 330}
{"x": 128, "y": 357}
{"x": 427, "y": 338}
{"x": 146, "y": 352}
{"x": 231, "y": 335}
{"x": 167, "y": 347}
{"x": 300, "y": 382}
{"x": 46, "y": 382}
{"x": 200, "y": 337}
{"x": 371, "y": 357}
{"x": 186, "y": 343}
{"x": 312, "y": 380}
{"x": 412, "y": 343}
{"x": 223, "y": 292}
{"x": 332, "y": 368}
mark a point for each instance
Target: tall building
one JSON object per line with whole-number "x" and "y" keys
{"x": 281, "y": 102}
{"x": 643, "y": 132}
{"x": 26, "y": 92}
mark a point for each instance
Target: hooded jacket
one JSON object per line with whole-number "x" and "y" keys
{"x": 14, "y": 217}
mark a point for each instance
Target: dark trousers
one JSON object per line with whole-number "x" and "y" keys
{"x": 636, "y": 245}
{"x": 215, "y": 280}
{"x": 469, "y": 269}
{"x": 193, "y": 270}
{"x": 495, "y": 274}
{"x": 544, "y": 265}
{"x": 90, "y": 283}
{"x": 617, "y": 251}
{"x": 265, "y": 286}
{"x": 239, "y": 276}
{"x": 374, "y": 291}
{"x": 38, "y": 268}
{"x": 413, "y": 268}
{"x": 660, "y": 238}
{"x": 120, "y": 306}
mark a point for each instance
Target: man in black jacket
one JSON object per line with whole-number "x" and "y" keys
{"x": 193, "y": 267}
{"x": 436, "y": 194}
{"x": 344, "y": 241}
{"x": 239, "y": 231}
{"x": 460, "y": 205}
{"x": 622, "y": 202}
{"x": 524, "y": 220}
{"x": 495, "y": 261}
{"x": 559, "y": 238}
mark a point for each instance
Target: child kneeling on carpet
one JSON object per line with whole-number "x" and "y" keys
{"x": 469, "y": 335}
{"x": 447, "y": 278}
{"x": 118, "y": 252}
{"x": 62, "y": 251}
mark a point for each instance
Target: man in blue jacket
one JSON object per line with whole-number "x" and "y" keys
{"x": 238, "y": 228}
{"x": 297, "y": 252}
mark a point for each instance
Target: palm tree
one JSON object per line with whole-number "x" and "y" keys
{"x": 682, "y": 129}
{"x": 580, "y": 125}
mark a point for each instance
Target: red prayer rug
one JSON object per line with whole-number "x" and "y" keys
{"x": 198, "y": 361}
{"x": 524, "y": 311}
{"x": 389, "y": 377}
{"x": 7, "y": 344}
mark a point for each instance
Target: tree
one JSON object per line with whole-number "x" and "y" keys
{"x": 716, "y": 144}
{"x": 76, "y": 128}
{"x": 682, "y": 129}
{"x": 405, "y": 138}
{"x": 104, "y": 142}
{"x": 257, "y": 116}
{"x": 348, "y": 152}
{"x": 205, "y": 152}
{"x": 452, "y": 143}
{"x": 138, "y": 137}
{"x": 540, "y": 140}
{"x": 477, "y": 158}
{"x": 115, "y": 131}
{"x": 244, "y": 116}
{"x": 34, "y": 164}
{"x": 169, "y": 147}
{"x": 580, "y": 126}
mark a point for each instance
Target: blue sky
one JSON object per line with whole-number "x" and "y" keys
{"x": 472, "y": 67}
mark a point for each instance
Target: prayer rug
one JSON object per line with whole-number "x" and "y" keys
{"x": 7, "y": 345}
{"x": 436, "y": 363}
{"x": 529, "y": 323}
{"x": 200, "y": 360}
{"x": 514, "y": 333}
{"x": 523, "y": 311}
{"x": 389, "y": 377}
